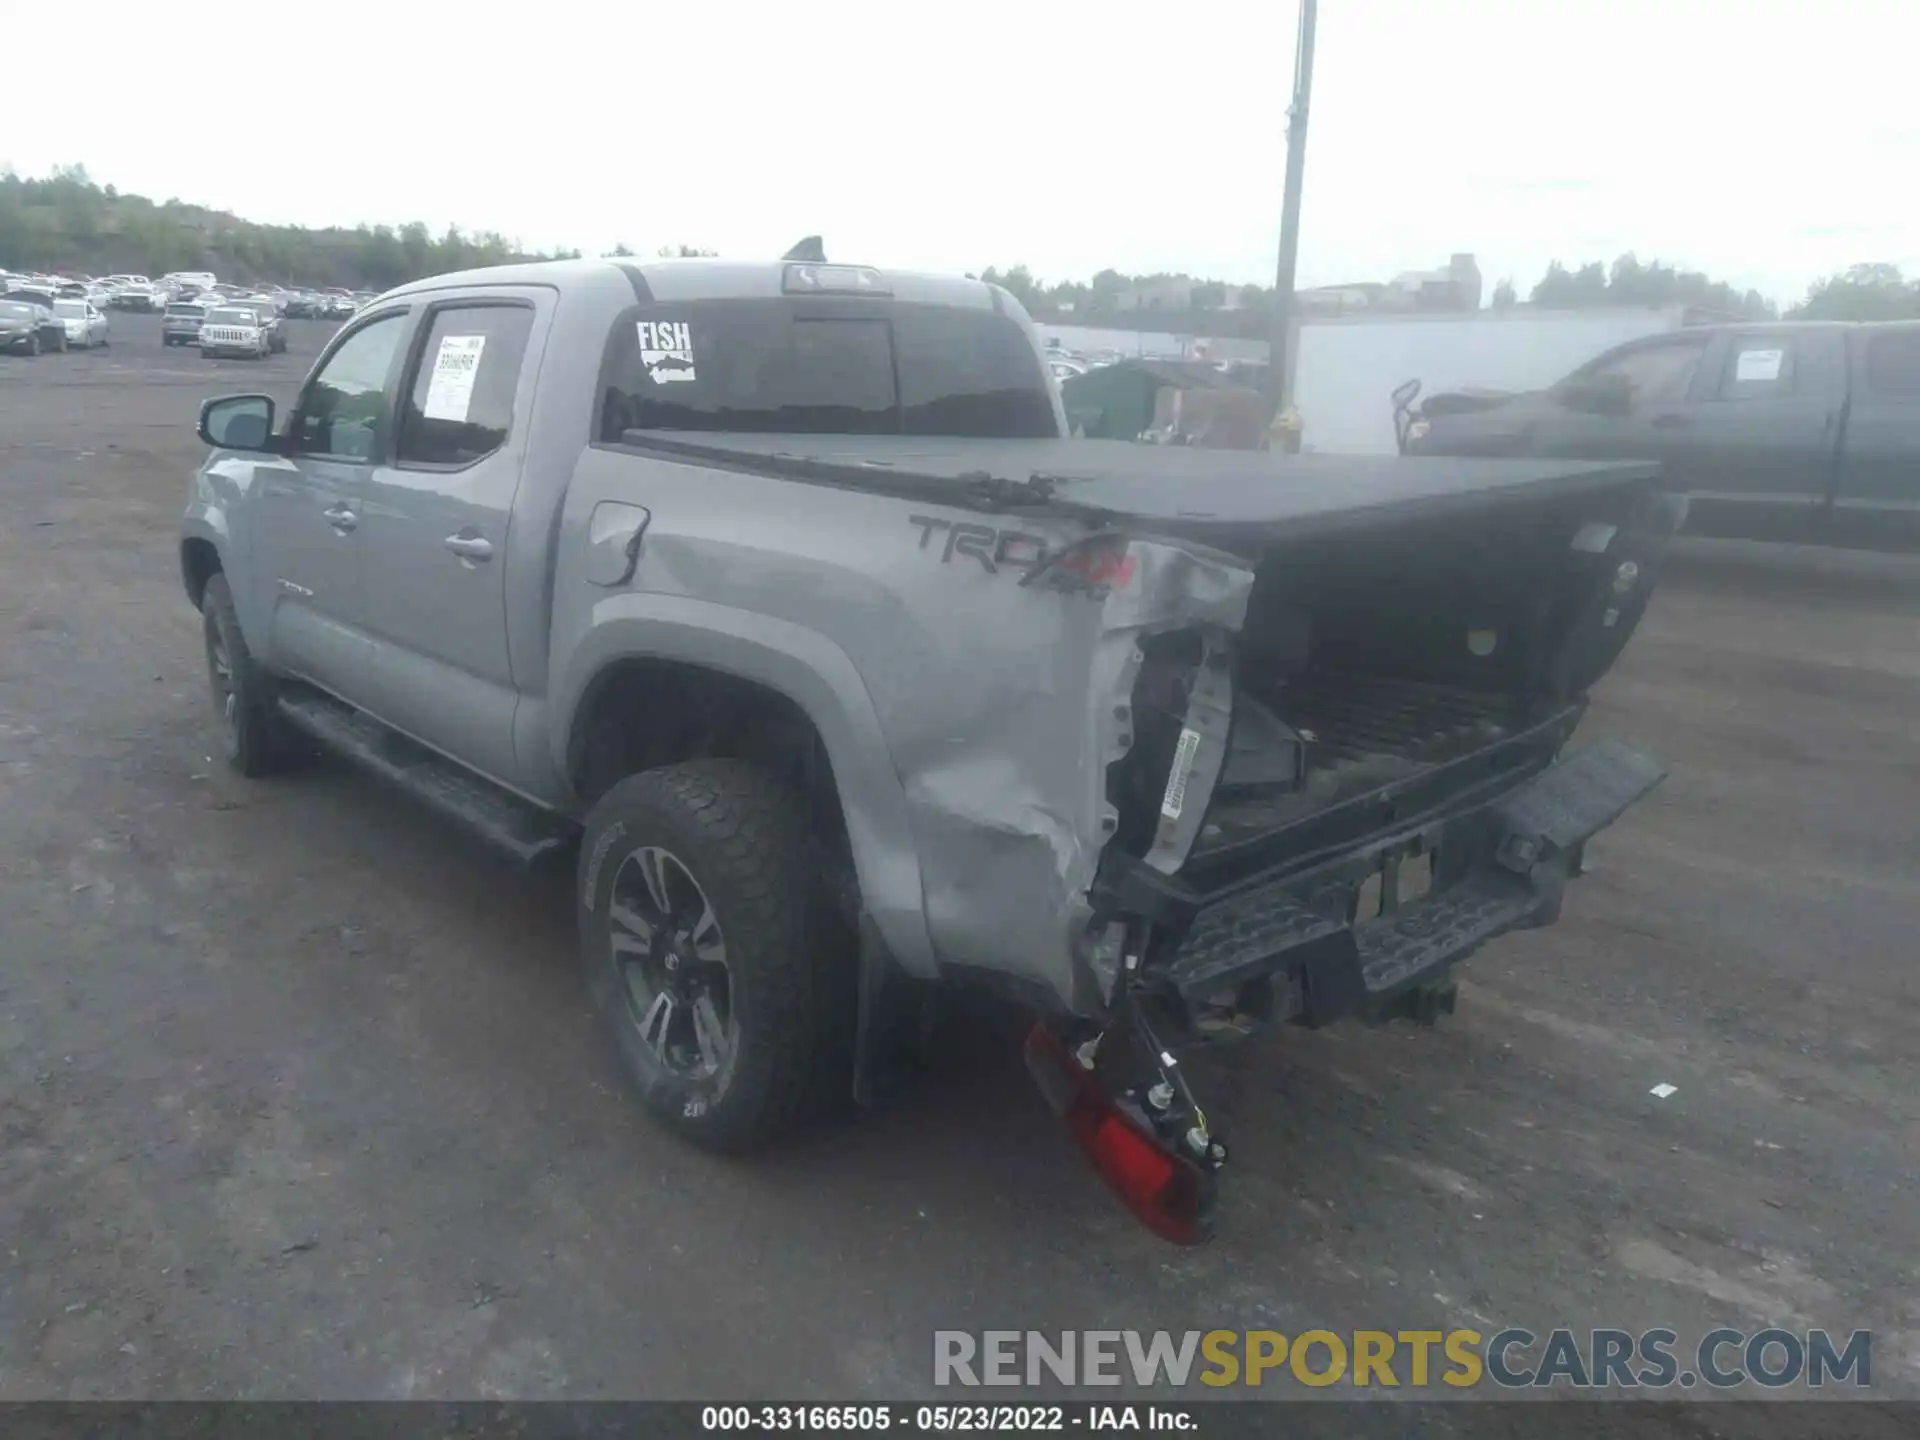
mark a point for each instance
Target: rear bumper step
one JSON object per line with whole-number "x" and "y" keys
{"x": 1501, "y": 867}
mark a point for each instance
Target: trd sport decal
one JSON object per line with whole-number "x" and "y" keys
{"x": 1082, "y": 571}
{"x": 666, "y": 350}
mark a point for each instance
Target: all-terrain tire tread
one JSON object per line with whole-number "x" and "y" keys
{"x": 754, "y": 844}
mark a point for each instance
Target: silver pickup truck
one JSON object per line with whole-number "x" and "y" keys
{"x": 774, "y": 595}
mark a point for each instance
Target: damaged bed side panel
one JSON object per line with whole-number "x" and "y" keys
{"x": 997, "y": 652}
{"x": 1007, "y": 773}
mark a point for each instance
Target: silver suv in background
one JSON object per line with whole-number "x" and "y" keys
{"x": 180, "y": 325}
{"x": 236, "y": 330}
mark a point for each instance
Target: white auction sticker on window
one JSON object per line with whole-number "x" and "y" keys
{"x": 666, "y": 350}
{"x": 1758, "y": 365}
{"x": 450, "y": 389}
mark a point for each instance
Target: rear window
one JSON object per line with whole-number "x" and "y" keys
{"x": 780, "y": 367}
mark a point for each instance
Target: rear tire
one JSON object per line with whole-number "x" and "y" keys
{"x": 701, "y": 886}
{"x": 33, "y": 345}
{"x": 253, "y": 737}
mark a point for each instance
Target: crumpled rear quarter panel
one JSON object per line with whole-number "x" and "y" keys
{"x": 1001, "y": 704}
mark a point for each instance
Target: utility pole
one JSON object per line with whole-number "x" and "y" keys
{"x": 1279, "y": 378}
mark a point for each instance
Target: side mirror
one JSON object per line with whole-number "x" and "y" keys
{"x": 1599, "y": 395}
{"x": 238, "y": 422}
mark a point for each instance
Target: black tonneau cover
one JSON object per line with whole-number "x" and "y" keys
{"x": 1201, "y": 492}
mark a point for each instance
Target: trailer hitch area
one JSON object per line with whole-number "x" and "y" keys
{"x": 1149, "y": 1140}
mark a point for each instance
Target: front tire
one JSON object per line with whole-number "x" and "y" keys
{"x": 33, "y": 345}
{"x": 253, "y": 737}
{"x": 711, "y": 950}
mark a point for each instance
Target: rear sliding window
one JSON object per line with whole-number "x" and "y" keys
{"x": 778, "y": 367}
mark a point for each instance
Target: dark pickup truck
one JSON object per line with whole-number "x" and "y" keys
{"x": 1798, "y": 431}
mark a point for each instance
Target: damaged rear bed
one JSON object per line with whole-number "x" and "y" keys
{"x": 1287, "y": 730}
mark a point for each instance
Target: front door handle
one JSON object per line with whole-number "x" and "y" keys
{"x": 1672, "y": 420}
{"x": 470, "y": 547}
{"x": 342, "y": 518}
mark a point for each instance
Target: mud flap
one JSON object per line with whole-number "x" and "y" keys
{"x": 892, "y": 1022}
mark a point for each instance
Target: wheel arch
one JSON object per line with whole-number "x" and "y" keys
{"x": 199, "y": 562}
{"x": 773, "y": 671}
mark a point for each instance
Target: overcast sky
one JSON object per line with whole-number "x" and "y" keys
{"x": 1767, "y": 143}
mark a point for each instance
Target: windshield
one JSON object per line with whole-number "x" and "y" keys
{"x": 231, "y": 315}
{"x": 186, "y": 310}
{"x": 780, "y": 367}
{"x": 70, "y": 309}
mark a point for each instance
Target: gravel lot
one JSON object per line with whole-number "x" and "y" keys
{"x": 300, "y": 1097}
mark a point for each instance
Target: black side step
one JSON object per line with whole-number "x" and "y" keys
{"x": 525, "y": 831}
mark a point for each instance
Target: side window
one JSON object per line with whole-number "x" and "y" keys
{"x": 1758, "y": 366}
{"x": 459, "y": 407}
{"x": 1893, "y": 363}
{"x": 1655, "y": 374}
{"x": 340, "y": 412}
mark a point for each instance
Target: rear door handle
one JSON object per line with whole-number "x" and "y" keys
{"x": 342, "y": 518}
{"x": 1672, "y": 420}
{"x": 470, "y": 547}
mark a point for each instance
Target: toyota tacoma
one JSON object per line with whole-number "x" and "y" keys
{"x": 774, "y": 597}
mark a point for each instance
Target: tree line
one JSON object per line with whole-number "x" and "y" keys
{"x": 66, "y": 222}
{"x": 1863, "y": 292}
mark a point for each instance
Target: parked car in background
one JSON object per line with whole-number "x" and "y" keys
{"x": 181, "y": 323}
{"x": 28, "y": 327}
{"x": 139, "y": 296}
{"x": 31, "y": 290}
{"x": 270, "y": 319}
{"x": 1797, "y": 431}
{"x": 235, "y": 330}
{"x": 85, "y": 324}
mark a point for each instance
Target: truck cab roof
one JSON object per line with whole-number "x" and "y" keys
{"x": 707, "y": 278}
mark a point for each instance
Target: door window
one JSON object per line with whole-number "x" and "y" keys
{"x": 1758, "y": 366}
{"x": 1654, "y": 374}
{"x": 459, "y": 406}
{"x": 340, "y": 412}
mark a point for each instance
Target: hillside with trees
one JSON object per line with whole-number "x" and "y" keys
{"x": 67, "y": 223}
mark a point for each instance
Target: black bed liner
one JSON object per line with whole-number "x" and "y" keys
{"x": 1217, "y": 493}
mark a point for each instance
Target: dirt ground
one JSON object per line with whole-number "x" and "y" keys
{"x": 300, "y": 1096}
